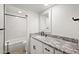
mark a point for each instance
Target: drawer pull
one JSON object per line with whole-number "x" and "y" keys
{"x": 47, "y": 49}
{"x": 34, "y": 47}
{"x": 2, "y": 28}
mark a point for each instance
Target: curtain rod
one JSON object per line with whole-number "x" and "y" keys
{"x": 16, "y": 15}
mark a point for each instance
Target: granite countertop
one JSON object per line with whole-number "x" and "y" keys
{"x": 59, "y": 43}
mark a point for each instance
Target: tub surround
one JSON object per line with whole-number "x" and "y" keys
{"x": 64, "y": 44}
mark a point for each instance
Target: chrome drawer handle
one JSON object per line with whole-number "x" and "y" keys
{"x": 34, "y": 47}
{"x": 47, "y": 49}
{"x": 2, "y": 28}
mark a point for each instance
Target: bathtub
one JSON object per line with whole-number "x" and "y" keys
{"x": 16, "y": 46}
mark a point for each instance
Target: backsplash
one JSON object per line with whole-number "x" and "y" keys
{"x": 62, "y": 37}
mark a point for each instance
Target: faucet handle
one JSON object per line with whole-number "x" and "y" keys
{"x": 45, "y": 35}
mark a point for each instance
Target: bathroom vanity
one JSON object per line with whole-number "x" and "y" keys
{"x": 53, "y": 44}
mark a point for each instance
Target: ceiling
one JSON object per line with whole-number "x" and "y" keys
{"x": 33, "y": 7}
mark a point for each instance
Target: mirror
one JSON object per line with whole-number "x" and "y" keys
{"x": 46, "y": 21}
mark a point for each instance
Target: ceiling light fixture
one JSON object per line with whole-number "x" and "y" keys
{"x": 45, "y": 4}
{"x": 16, "y": 17}
{"x": 19, "y": 11}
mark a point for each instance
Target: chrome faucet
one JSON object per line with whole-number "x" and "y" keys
{"x": 43, "y": 34}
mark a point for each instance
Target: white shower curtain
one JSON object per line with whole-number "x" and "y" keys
{"x": 16, "y": 29}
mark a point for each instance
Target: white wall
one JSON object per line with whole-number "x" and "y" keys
{"x": 62, "y": 23}
{"x": 1, "y": 16}
{"x": 1, "y": 26}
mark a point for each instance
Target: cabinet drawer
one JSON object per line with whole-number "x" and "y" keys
{"x": 36, "y": 47}
{"x": 58, "y": 52}
{"x": 48, "y": 49}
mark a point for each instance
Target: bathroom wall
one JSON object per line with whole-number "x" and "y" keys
{"x": 62, "y": 23}
{"x": 32, "y": 24}
{"x": 1, "y": 26}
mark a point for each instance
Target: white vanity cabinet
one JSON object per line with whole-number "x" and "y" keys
{"x": 48, "y": 49}
{"x": 35, "y": 47}
{"x": 39, "y": 47}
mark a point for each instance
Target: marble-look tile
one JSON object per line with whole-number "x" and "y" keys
{"x": 65, "y": 44}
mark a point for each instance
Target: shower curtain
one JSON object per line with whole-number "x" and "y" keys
{"x": 16, "y": 29}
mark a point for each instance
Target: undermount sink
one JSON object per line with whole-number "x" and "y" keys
{"x": 48, "y": 39}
